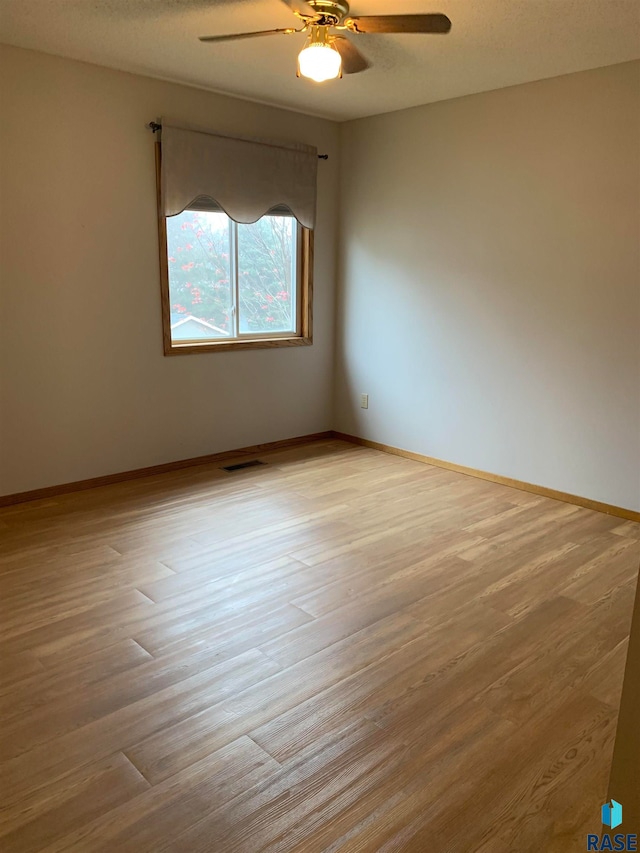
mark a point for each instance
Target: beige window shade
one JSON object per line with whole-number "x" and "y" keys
{"x": 244, "y": 177}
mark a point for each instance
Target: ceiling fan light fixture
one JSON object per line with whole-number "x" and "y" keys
{"x": 319, "y": 60}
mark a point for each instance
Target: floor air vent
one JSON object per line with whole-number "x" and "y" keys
{"x": 251, "y": 464}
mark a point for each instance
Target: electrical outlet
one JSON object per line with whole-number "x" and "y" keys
{"x": 364, "y": 401}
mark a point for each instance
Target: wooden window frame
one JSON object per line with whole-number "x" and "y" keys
{"x": 304, "y": 307}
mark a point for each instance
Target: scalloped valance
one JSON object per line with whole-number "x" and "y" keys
{"x": 244, "y": 177}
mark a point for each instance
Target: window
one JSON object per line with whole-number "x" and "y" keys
{"x": 225, "y": 284}
{"x": 232, "y": 286}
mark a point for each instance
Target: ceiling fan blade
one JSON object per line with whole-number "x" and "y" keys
{"x": 352, "y": 60}
{"x": 399, "y": 24}
{"x": 234, "y": 36}
{"x": 300, "y": 7}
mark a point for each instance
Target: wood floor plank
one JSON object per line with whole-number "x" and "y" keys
{"x": 166, "y": 810}
{"x": 365, "y": 691}
{"x": 445, "y": 751}
{"x": 294, "y": 802}
{"x": 48, "y": 758}
{"x": 443, "y": 808}
{"x": 190, "y": 739}
{"x": 202, "y": 682}
{"x": 71, "y": 632}
{"x": 96, "y": 790}
{"x": 235, "y": 626}
{"x": 57, "y": 681}
{"x": 535, "y": 783}
{"x": 349, "y": 614}
{"x": 18, "y": 668}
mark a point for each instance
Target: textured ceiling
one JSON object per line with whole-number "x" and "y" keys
{"x": 493, "y": 43}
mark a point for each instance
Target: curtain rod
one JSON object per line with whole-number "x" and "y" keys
{"x": 154, "y": 127}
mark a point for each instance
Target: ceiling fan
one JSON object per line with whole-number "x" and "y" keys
{"x": 326, "y": 55}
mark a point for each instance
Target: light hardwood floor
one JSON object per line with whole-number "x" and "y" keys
{"x": 342, "y": 650}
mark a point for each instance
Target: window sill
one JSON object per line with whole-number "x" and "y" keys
{"x": 225, "y": 346}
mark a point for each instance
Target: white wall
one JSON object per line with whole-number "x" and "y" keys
{"x": 490, "y": 296}
{"x": 84, "y": 387}
{"x": 490, "y": 282}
